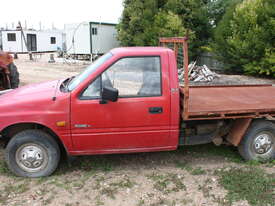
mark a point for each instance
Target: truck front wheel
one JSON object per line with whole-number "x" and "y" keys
{"x": 259, "y": 141}
{"x": 32, "y": 153}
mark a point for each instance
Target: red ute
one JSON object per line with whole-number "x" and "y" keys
{"x": 126, "y": 101}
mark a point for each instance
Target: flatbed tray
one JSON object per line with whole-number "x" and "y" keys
{"x": 230, "y": 101}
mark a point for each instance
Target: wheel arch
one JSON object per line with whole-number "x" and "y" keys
{"x": 11, "y": 130}
{"x": 247, "y": 147}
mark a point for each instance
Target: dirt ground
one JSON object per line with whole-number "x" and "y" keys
{"x": 193, "y": 175}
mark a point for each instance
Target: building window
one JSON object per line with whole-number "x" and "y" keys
{"x": 53, "y": 40}
{"x": 94, "y": 31}
{"x": 11, "y": 37}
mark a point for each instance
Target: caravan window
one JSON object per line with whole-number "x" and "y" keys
{"x": 94, "y": 31}
{"x": 53, "y": 40}
{"x": 11, "y": 37}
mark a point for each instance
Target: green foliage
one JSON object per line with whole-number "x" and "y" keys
{"x": 245, "y": 37}
{"x": 265, "y": 67}
{"x": 249, "y": 184}
{"x": 216, "y": 10}
{"x": 136, "y": 25}
{"x": 168, "y": 24}
{"x": 194, "y": 15}
{"x": 143, "y": 22}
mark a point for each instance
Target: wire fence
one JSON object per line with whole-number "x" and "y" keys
{"x": 205, "y": 58}
{"x": 179, "y": 57}
{"x": 210, "y": 61}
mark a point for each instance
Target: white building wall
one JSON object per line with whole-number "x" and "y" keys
{"x": 81, "y": 35}
{"x": 102, "y": 42}
{"x": 11, "y": 46}
{"x": 43, "y": 40}
{"x": 105, "y": 39}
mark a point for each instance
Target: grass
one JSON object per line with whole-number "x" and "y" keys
{"x": 250, "y": 183}
{"x": 163, "y": 202}
{"x": 193, "y": 171}
{"x": 110, "y": 189}
{"x": 99, "y": 170}
{"x": 17, "y": 189}
{"x": 167, "y": 183}
{"x": 210, "y": 150}
{"x": 4, "y": 168}
{"x": 12, "y": 189}
{"x": 123, "y": 183}
{"x": 184, "y": 165}
{"x": 86, "y": 164}
{"x": 102, "y": 163}
{"x": 198, "y": 171}
{"x": 207, "y": 190}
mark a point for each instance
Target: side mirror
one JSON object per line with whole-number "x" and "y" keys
{"x": 108, "y": 94}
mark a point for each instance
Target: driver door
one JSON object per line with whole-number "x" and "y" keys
{"x": 139, "y": 120}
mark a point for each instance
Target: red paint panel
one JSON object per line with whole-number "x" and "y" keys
{"x": 205, "y": 100}
{"x": 127, "y": 123}
{"x": 34, "y": 104}
{"x": 121, "y": 140}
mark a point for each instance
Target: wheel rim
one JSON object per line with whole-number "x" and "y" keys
{"x": 263, "y": 143}
{"x": 31, "y": 158}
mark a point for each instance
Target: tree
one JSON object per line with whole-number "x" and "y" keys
{"x": 194, "y": 17}
{"x": 216, "y": 10}
{"x": 245, "y": 37}
{"x": 168, "y": 24}
{"x": 143, "y": 22}
{"x": 135, "y": 27}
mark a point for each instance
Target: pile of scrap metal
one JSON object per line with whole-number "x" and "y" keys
{"x": 198, "y": 73}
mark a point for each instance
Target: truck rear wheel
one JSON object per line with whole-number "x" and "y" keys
{"x": 32, "y": 153}
{"x": 259, "y": 141}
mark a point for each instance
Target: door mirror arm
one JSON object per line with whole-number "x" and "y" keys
{"x": 108, "y": 94}
{"x": 103, "y": 101}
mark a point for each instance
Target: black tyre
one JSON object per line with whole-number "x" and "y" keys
{"x": 32, "y": 153}
{"x": 259, "y": 141}
{"x": 14, "y": 76}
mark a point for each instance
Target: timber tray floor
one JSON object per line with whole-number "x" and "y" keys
{"x": 216, "y": 102}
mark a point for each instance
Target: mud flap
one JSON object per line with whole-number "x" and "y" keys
{"x": 238, "y": 130}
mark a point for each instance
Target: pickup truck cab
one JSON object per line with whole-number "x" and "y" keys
{"x": 129, "y": 100}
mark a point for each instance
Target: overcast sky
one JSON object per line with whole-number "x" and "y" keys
{"x": 58, "y": 12}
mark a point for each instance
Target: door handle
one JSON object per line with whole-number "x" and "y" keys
{"x": 155, "y": 110}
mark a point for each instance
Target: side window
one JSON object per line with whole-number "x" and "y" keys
{"x": 132, "y": 76}
{"x": 53, "y": 40}
{"x": 94, "y": 31}
{"x": 11, "y": 37}
{"x": 93, "y": 90}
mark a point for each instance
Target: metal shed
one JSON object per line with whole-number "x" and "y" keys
{"x": 90, "y": 38}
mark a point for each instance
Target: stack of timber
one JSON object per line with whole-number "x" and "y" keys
{"x": 198, "y": 73}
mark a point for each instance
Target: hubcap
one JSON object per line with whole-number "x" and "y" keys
{"x": 31, "y": 157}
{"x": 263, "y": 143}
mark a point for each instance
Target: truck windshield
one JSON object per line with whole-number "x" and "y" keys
{"x": 88, "y": 71}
